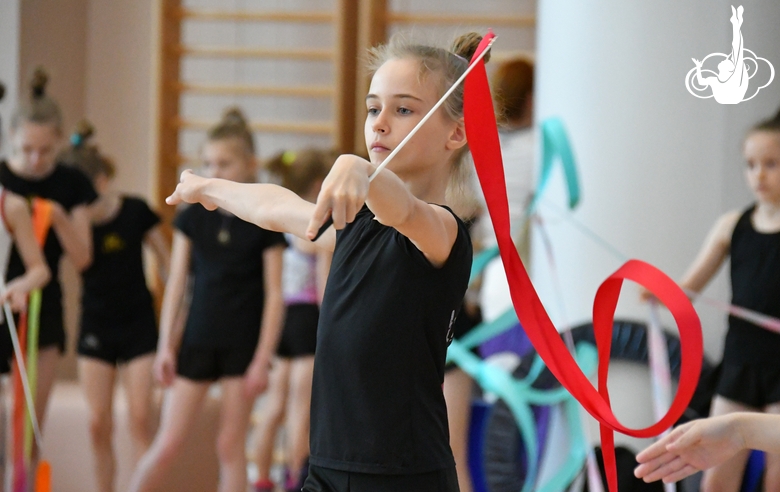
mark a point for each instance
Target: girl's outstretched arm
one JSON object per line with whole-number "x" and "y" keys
{"x": 431, "y": 228}
{"x": 170, "y": 328}
{"x": 266, "y": 205}
{"x": 706, "y": 443}
{"x": 36, "y": 272}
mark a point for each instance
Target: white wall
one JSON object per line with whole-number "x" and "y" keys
{"x": 658, "y": 166}
{"x": 9, "y": 60}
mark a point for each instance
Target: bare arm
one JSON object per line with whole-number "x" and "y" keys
{"x": 156, "y": 242}
{"x": 170, "y": 326}
{"x": 712, "y": 254}
{"x": 271, "y": 326}
{"x": 266, "y": 205}
{"x": 74, "y": 231}
{"x": 706, "y": 443}
{"x": 432, "y": 229}
{"x": 36, "y": 272}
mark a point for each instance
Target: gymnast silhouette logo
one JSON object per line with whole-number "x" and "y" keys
{"x": 730, "y": 85}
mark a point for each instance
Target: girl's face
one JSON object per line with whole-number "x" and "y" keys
{"x": 226, "y": 159}
{"x": 762, "y": 153}
{"x": 397, "y": 100}
{"x": 34, "y": 149}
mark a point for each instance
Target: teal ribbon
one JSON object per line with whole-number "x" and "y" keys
{"x": 519, "y": 395}
{"x": 555, "y": 144}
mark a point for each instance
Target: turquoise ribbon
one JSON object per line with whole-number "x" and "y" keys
{"x": 519, "y": 395}
{"x": 555, "y": 144}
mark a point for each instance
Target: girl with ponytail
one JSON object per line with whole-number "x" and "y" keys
{"x": 401, "y": 264}
{"x": 234, "y": 317}
{"x": 33, "y": 171}
{"x": 118, "y": 326}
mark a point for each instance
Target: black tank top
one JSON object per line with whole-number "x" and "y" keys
{"x": 755, "y": 284}
{"x": 377, "y": 400}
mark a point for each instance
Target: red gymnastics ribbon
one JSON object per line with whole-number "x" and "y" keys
{"x": 482, "y": 134}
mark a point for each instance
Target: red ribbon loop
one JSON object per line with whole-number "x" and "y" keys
{"x": 482, "y": 134}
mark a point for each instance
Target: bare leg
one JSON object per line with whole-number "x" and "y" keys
{"x": 298, "y": 414}
{"x": 728, "y": 476}
{"x": 457, "y": 392}
{"x": 138, "y": 382}
{"x": 272, "y": 416}
{"x": 47, "y": 367}
{"x": 772, "y": 472}
{"x": 97, "y": 382}
{"x": 180, "y": 410}
{"x": 231, "y": 440}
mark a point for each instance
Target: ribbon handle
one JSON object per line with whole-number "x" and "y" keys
{"x": 482, "y": 135}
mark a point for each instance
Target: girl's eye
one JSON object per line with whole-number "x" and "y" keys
{"x": 404, "y": 111}
{"x": 373, "y": 111}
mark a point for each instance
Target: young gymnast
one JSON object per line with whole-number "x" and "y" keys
{"x": 33, "y": 171}
{"x": 118, "y": 325}
{"x": 750, "y": 374}
{"x": 234, "y": 318}
{"x": 303, "y": 281}
{"x": 400, "y": 269}
{"x": 16, "y": 229}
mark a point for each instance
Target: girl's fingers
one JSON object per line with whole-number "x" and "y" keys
{"x": 687, "y": 471}
{"x": 339, "y": 212}
{"x": 318, "y": 217}
{"x": 650, "y": 466}
{"x": 668, "y": 469}
{"x": 688, "y": 436}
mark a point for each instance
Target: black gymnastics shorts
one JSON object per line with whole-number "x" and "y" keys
{"x": 751, "y": 385}
{"x": 299, "y": 335}
{"x": 51, "y": 334}
{"x": 118, "y": 342}
{"x": 198, "y": 363}
{"x": 329, "y": 480}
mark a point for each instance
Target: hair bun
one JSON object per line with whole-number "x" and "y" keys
{"x": 84, "y": 130}
{"x": 235, "y": 117}
{"x": 38, "y": 83}
{"x": 466, "y": 45}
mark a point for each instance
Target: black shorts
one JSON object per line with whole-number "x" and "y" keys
{"x": 116, "y": 341}
{"x": 751, "y": 385}
{"x": 299, "y": 335}
{"x": 50, "y": 334}
{"x": 199, "y": 363}
{"x": 329, "y": 480}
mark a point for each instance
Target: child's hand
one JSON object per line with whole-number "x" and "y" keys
{"x": 343, "y": 193}
{"x": 256, "y": 378}
{"x": 690, "y": 448}
{"x": 189, "y": 190}
{"x": 16, "y": 297}
{"x": 165, "y": 366}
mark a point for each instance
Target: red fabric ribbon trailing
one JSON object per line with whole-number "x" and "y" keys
{"x": 482, "y": 134}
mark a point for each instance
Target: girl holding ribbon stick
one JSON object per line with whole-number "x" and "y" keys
{"x": 234, "y": 319}
{"x": 750, "y": 374}
{"x": 401, "y": 264}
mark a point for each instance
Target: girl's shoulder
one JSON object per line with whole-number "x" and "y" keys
{"x": 727, "y": 223}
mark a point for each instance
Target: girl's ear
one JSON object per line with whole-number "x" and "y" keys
{"x": 457, "y": 137}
